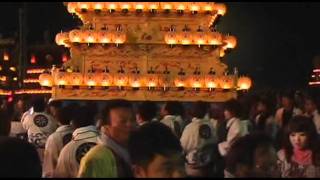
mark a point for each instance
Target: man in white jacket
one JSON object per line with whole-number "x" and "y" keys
{"x": 311, "y": 110}
{"x": 39, "y": 125}
{"x": 58, "y": 139}
{"x": 172, "y": 113}
{"x": 234, "y": 128}
{"x": 196, "y": 137}
{"x": 84, "y": 138}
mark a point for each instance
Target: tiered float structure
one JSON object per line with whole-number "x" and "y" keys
{"x": 158, "y": 51}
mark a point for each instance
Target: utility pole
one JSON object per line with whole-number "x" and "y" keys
{"x": 22, "y": 44}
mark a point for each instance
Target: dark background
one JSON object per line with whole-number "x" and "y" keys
{"x": 276, "y": 41}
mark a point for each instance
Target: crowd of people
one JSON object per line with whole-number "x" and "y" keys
{"x": 255, "y": 135}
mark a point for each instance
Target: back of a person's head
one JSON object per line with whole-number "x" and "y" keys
{"x": 234, "y": 107}
{"x": 83, "y": 116}
{"x": 38, "y": 104}
{"x": 199, "y": 109}
{"x": 114, "y": 104}
{"x": 147, "y": 110}
{"x": 242, "y": 151}
{"x": 150, "y": 140}
{"x": 65, "y": 114}
{"x": 5, "y": 123}
{"x": 19, "y": 159}
{"x": 56, "y": 104}
{"x": 174, "y": 108}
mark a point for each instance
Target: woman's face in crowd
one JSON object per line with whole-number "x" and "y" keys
{"x": 309, "y": 106}
{"x": 298, "y": 140}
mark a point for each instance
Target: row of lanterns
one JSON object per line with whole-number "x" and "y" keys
{"x": 137, "y": 81}
{"x": 4, "y": 92}
{"x": 200, "y": 38}
{"x": 33, "y": 91}
{"x": 180, "y": 7}
{"x": 90, "y": 36}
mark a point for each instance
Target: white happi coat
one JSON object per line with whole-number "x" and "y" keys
{"x": 236, "y": 129}
{"x": 39, "y": 126}
{"x": 170, "y": 120}
{"x": 196, "y": 136}
{"x": 54, "y": 145}
{"x": 83, "y": 139}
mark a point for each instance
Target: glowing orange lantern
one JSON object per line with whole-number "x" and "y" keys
{"x": 121, "y": 80}
{"x": 208, "y": 6}
{"x": 231, "y": 42}
{"x": 226, "y": 82}
{"x": 6, "y": 56}
{"x": 166, "y": 6}
{"x": 72, "y": 7}
{"x": 153, "y": 6}
{"x": 200, "y": 38}
{"x": 185, "y": 38}
{"x": 84, "y": 5}
{"x": 196, "y": 81}
{"x": 75, "y": 79}
{"x": 112, "y": 6}
{"x": 98, "y": 5}
{"x": 214, "y": 38}
{"x": 135, "y": 81}
{"x": 106, "y": 79}
{"x": 119, "y": 37}
{"x": 75, "y": 36}
{"x": 61, "y": 38}
{"x": 220, "y": 8}
{"x": 171, "y": 38}
{"x": 91, "y": 79}
{"x": 61, "y": 79}
{"x": 244, "y": 83}
{"x": 45, "y": 79}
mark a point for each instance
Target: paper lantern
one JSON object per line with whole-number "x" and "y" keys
{"x": 121, "y": 80}
{"x": 112, "y": 6}
{"x": 119, "y": 37}
{"x": 84, "y": 5}
{"x": 139, "y": 6}
{"x": 220, "y": 8}
{"x": 46, "y": 79}
{"x": 106, "y": 79}
{"x": 171, "y": 38}
{"x": 185, "y": 38}
{"x": 196, "y": 81}
{"x": 153, "y": 6}
{"x": 166, "y": 5}
{"x": 6, "y": 56}
{"x": 152, "y": 80}
{"x": 61, "y": 79}
{"x": 98, "y": 5}
{"x": 231, "y": 42}
{"x": 75, "y": 36}
{"x": 200, "y": 38}
{"x": 244, "y": 83}
{"x": 61, "y": 38}
{"x": 72, "y": 7}
{"x": 135, "y": 81}
{"x": 208, "y": 6}
{"x": 180, "y": 6}
{"x": 194, "y": 7}
{"x": 214, "y": 38}
{"x": 92, "y": 79}
{"x": 226, "y": 82}
{"x": 75, "y": 79}
{"x": 33, "y": 59}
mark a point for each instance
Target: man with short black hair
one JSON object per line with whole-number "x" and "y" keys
{"x": 146, "y": 112}
{"x": 156, "y": 152}
{"x": 39, "y": 125}
{"x": 58, "y": 139}
{"x": 172, "y": 113}
{"x": 84, "y": 137}
{"x": 195, "y": 140}
{"x": 111, "y": 158}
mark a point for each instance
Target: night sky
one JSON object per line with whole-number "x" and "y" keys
{"x": 276, "y": 41}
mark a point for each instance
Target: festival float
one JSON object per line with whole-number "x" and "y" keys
{"x": 157, "y": 51}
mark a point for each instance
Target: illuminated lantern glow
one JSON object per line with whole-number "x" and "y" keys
{"x": 194, "y": 7}
{"x": 231, "y": 42}
{"x": 61, "y": 38}
{"x": 6, "y": 56}
{"x": 46, "y": 79}
{"x": 104, "y": 37}
{"x": 196, "y": 82}
{"x": 166, "y": 6}
{"x": 13, "y": 69}
{"x": 89, "y": 37}
{"x": 98, "y": 6}
{"x": 153, "y": 6}
{"x": 220, "y": 8}
{"x": 112, "y": 6}
{"x": 226, "y": 82}
{"x": 200, "y": 38}
{"x": 171, "y": 38}
{"x": 61, "y": 79}
{"x": 119, "y": 38}
{"x": 222, "y": 52}
{"x": 125, "y": 6}
{"x": 74, "y": 36}
{"x": 185, "y": 38}
{"x": 15, "y": 78}
{"x": 72, "y": 7}
{"x": 139, "y": 6}
{"x": 92, "y": 79}
{"x": 244, "y": 83}
{"x": 214, "y": 38}
{"x": 83, "y": 5}
{"x": 180, "y": 6}
{"x": 208, "y": 6}
{"x": 106, "y": 80}
{"x": 75, "y": 78}
{"x": 0, "y": 68}
{"x": 121, "y": 80}
{"x": 33, "y": 59}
